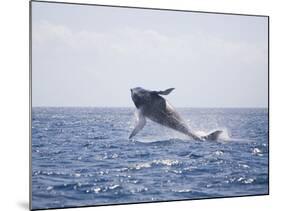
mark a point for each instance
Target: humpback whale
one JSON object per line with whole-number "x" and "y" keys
{"x": 151, "y": 105}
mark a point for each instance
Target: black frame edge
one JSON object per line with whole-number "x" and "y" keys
{"x": 149, "y": 8}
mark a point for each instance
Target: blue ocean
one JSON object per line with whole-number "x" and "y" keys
{"x": 82, "y": 156}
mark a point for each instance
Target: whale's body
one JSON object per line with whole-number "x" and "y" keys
{"x": 154, "y": 107}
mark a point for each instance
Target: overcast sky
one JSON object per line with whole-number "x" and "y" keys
{"x": 92, "y": 56}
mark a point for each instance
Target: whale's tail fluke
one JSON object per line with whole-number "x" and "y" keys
{"x": 213, "y": 136}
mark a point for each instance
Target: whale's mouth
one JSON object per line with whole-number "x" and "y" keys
{"x": 135, "y": 99}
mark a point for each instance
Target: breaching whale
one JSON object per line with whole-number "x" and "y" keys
{"x": 151, "y": 105}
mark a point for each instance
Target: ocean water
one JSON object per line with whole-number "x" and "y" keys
{"x": 82, "y": 156}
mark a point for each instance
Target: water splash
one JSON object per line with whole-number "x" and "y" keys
{"x": 224, "y": 136}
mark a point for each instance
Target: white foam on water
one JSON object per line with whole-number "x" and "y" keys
{"x": 77, "y": 175}
{"x": 218, "y": 152}
{"x": 166, "y": 162}
{"x": 248, "y": 181}
{"x": 182, "y": 191}
{"x": 141, "y": 166}
{"x": 113, "y": 187}
{"x": 50, "y": 188}
{"x": 96, "y": 190}
{"x": 256, "y": 150}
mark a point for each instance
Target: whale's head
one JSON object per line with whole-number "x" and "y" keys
{"x": 140, "y": 96}
{"x": 143, "y": 97}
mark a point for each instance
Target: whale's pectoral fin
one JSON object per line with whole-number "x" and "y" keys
{"x": 213, "y": 135}
{"x": 166, "y": 92}
{"x": 140, "y": 123}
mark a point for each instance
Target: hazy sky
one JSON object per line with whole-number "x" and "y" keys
{"x": 92, "y": 56}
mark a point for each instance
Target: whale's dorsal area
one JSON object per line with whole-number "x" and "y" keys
{"x": 151, "y": 105}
